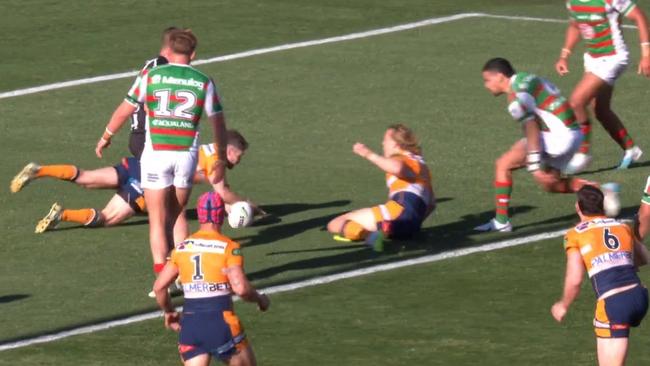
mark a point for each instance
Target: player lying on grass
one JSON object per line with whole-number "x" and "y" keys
{"x": 410, "y": 196}
{"x": 607, "y": 57}
{"x": 608, "y": 251}
{"x": 210, "y": 268}
{"x": 125, "y": 177}
{"x": 551, "y": 136}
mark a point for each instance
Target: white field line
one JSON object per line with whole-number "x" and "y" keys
{"x": 260, "y": 51}
{"x": 298, "y": 285}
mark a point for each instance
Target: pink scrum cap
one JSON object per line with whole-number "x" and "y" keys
{"x": 210, "y": 208}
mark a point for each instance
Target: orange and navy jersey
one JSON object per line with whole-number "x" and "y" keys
{"x": 417, "y": 180}
{"x": 201, "y": 260}
{"x": 208, "y": 156}
{"x": 607, "y": 250}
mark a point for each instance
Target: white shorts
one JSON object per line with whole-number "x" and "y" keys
{"x": 561, "y": 159}
{"x": 607, "y": 68}
{"x": 161, "y": 169}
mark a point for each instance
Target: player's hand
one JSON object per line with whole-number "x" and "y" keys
{"x": 562, "y": 66}
{"x": 361, "y": 150}
{"x": 263, "y": 302}
{"x": 101, "y": 145}
{"x": 559, "y": 310}
{"x": 644, "y": 66}
{"x": 218, "y": 172}
{"x": 172, "y": 321}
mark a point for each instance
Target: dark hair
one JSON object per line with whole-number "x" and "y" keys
{"x": 166, "y": 35}
{"x": 590, "y": 200}
{"x": 500, "y": 65}
{"x": 236, "y": 138}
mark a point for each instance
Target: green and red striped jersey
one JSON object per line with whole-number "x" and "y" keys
{"x": 536, "y": 99}
{"x": 175, "y": 97}
{"x": 599, "y": 22}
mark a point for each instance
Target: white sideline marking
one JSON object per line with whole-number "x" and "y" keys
{"x": 299, "y": 285}
{"x": 260, "y": 51}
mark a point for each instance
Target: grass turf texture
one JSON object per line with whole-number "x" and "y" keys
{"x": 301, "y": 111}
{"x": 420, "y": 315}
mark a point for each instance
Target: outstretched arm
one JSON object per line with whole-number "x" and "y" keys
{"x": 388, "y": 165}
{"x": 572, "y": 280}
{"x": 638, "y": 16}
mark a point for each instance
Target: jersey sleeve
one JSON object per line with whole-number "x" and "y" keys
{"x": 233, "y": 255}
{"x": 522, "y": 108}
{"x": 208, "y": 157}
{"x": 623, "y": 6}
{"x": 212, "y": 103}
{"x": 571, "y": 241}
{"x": 137, "y": 93}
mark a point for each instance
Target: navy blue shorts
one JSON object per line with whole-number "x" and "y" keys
{"x": 128, "y": 177}
{"x": 402, "y": 216}
{"x": 209, "y": 326}
{"x": 617, "y": 313}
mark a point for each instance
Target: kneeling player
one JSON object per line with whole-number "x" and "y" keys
{"x": 551, "y": 136}
{"x": 210, "y": 268}
{"x": 410, "y": 197}
{"x": 608, "y": 251}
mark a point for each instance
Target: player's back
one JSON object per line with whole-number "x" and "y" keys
{"x": 607, "y": 249}
{"x": 537, "y": 95}
{"x": 201, "y": 260}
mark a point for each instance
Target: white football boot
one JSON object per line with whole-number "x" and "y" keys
{"x": 579, "y": 162}
{"x": 611, "y": 202}
{"x": 631, "y": 155}
{"x": 24, "y": 177}
{"x": 494, "y": 225}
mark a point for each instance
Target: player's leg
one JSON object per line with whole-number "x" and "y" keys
{"x": 612, "y": 351}
{"x": 200, "y": 360}
{"x": 512, "y": 159}
{"x": 33, "y": 171}
{"x": 116, "y": 211}
{"x": 156, "y": 201}
{"x": 614, "y": 126}
{"x": 580, "y": 99}
{"x": 88, "y": 217}
{"x": 354, "y": 225}
{"x": 179, "y": 223}
{"x": 103, "y": 178}
{"x": 244, "y": 357}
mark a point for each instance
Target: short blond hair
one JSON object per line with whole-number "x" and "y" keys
{"x": 182, "y": 41}
{"x": 405, "y": 138}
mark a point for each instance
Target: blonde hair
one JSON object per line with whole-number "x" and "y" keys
{"x": 405, "y": 138}
{"x": 182, "y": 41}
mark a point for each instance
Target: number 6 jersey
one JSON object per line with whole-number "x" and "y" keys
{"x": 175, "y": 97}
{"x": 607, "y": 249}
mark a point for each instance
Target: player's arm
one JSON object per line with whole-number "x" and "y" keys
{"x": 214, "y": 112}
{"x": 130, "y": 104}
{"x": 571, "y": 38}
{"x": 638, "y": 16}
{"x": 572, "y": 280}
{"x": 389, "y": 165}
{"x": 164, "y": 280}
{"x": 641, "y": 255}
{"x": 230, "y": 197}
{"x": 533, "y": 145}
{"x": 243, "y": 288}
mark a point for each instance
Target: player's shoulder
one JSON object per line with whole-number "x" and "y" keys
{"x": 207, "y": 241}
{"x": 523, "y": 81}
{"x": 208, "y": 149}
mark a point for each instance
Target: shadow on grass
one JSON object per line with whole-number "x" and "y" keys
{"x": 13, "y": 297}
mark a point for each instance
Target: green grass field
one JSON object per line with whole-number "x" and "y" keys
{"x": 302, "y": 110}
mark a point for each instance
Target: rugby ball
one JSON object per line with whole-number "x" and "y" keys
{"x": 240, "y": 215}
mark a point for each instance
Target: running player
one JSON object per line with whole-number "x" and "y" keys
{"x": 598, "y": 22}
{"x": 125, "y": 177}
{"x": 609, "y": 253}
{"x": 551, "y": 136}
{"x": 410, "y": 196}
{"x": 175, "y": 96}
{"x": 210, "y": 268}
